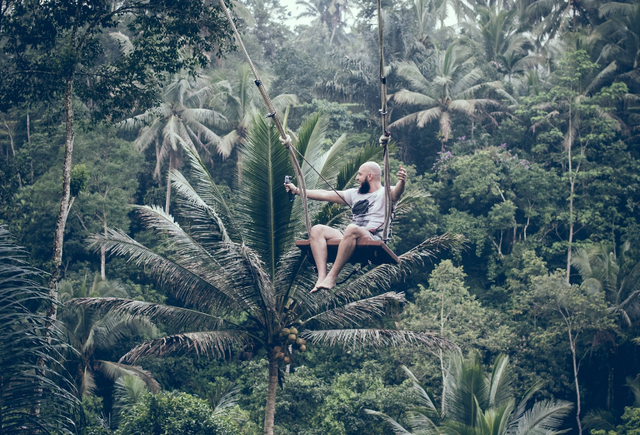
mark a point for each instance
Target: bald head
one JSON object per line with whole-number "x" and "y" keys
{"x": 371, "y": 168}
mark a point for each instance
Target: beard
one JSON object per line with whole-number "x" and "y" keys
{"x": 364, "y": 187}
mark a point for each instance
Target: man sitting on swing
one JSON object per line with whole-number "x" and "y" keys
{"x": 367, "y": 204}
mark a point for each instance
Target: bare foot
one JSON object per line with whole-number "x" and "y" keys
{"x": 328, "y": 283}
{"x": 318, "y": 282}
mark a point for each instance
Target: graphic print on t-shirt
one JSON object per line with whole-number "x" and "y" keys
{"x": 360, "y": 210}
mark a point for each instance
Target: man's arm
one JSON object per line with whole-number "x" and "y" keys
{"x": 319, "y": 195}
{"x": 398, "y": 189}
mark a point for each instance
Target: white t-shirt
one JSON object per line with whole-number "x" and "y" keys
{"x": 367, "y": 209}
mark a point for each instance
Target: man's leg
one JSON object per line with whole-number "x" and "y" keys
{"x": 348, "y": 244}
{"x": 318, "y": 238}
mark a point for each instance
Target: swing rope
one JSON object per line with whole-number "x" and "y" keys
{"x": 388, "y": 209}
{"x": 273, "y": 115}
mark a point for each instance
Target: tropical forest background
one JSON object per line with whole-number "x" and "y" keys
{"x": 518, "y": 123}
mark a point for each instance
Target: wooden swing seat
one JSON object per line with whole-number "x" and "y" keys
{"x": 367, "y": 251}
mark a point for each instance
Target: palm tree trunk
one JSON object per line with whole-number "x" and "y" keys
{"x": 270, "y": 409}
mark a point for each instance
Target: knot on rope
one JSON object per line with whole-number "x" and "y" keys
{"x": 384, "y": 139}
{"x": 285, "y": 141}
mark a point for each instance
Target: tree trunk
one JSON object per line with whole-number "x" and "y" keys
{"x": 572, "y": 182}
{"x": 270, "y": 408}
{"x": 570, "y": 229}
{"x": 28, "y": 129}
{"x": 576, "y": 367}
{"x": 13, "y": 150}
{"x": 575, "y": 377}
{"x": 440, "y": 354}
{"x": 65, "y": 202}
{"x": 168, "y": 199}
{"x": 103, "y": 254}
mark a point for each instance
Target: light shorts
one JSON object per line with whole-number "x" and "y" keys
{"x": 374, "y": 236}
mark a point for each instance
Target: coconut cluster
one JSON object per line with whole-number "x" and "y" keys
{"x": 289, "y": 336}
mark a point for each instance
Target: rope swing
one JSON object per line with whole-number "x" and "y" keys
{"x": 373, "y": 251}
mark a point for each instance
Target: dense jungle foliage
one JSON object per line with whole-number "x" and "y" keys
{"x": 138, "y": 171}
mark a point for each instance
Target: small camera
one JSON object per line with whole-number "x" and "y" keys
{"x": 288, "y": 180}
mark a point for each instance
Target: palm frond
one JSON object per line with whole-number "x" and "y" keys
{"x": 463, "y": 86}
{"x": 124, "y": 42}
{"x": 500, "y": 381}
{"x": 114, "y": 371}
{"x": 263, "y": 205}
{"x": 32, "y": 375}
{"x": 423, "y": 397}
{"x": 331, "y": 160}
{"x": 207, "y": 225}
{"x": 208, "y": 343}
{"x": 616, "y": 8}
{"x": 395, "y": 426}
{"x": 410, "y": 72}
{"x": 601, "y": 77}
{"x": 354, "y": 313}
{"x": 404, "y": 96}
{"x": 209, "y": 192}
{"x": 546, "y": 416}
{"x": 229, "y": 399}
{"x": 375, "y": 338}
{"x": 184, "y": 283}
{"x": 581, "y": 261}
{"x": 176, "y": 317}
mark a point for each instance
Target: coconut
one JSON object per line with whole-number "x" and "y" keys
{"x": 287, "y": 360}
{"x": 285, "y": 331}
{"x": 300, "y": 341}
{"x": 291, "y": 338}
{"x": 303, "y": 348}
{"x": 279, "y": 355}
{"x": 293, "y": 331}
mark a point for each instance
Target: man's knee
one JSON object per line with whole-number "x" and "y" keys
{"x": 353, "y": 230}
{"x": 317, "y": 231}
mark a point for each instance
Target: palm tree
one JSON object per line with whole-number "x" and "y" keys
{"x": 599, "y": 268}
{"x": 449, "y": 89}
{"x": 548, "y": 18}
{"x": 87, "y": 330}
{"x": 32, "y": 376}
{"x": 504, "y": 46}
{"x": 238, "y": 275}
{"x": 328, "y": 13}
{"x": 238, "y": 99}
{"x": 621, "y": 35}
{"x": 180, "y": 118}
{"x": 478, "y": 403}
